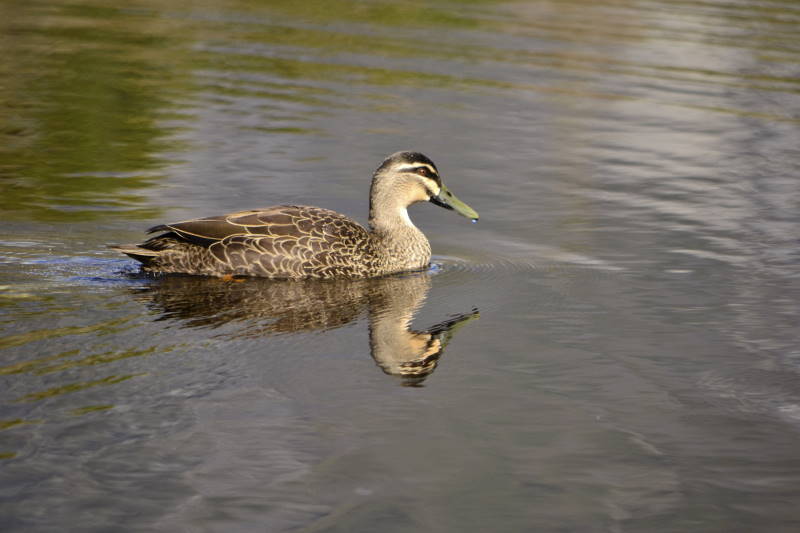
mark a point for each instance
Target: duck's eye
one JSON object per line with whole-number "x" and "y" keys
{"x": 423, "y": 171}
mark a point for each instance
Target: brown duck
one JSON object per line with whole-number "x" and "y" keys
{"x": 264, "y": 308}
{"x": 296, "y": 242}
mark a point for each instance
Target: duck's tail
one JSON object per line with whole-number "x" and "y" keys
{"x": 143, "y": 255}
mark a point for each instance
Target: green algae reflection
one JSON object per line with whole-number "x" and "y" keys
{"x": 80, "y": 104}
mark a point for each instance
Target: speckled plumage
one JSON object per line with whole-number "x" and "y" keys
{"x": 295, "y": 242}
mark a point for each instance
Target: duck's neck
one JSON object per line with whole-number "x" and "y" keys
{"x": 397, "y": 237}
{"x": 393, "y": 226}
{"x": 395, "y": 347}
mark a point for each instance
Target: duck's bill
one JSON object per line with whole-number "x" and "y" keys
{"x": 448, "y": 200}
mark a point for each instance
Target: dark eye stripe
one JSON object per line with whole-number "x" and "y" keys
{"x": 414, "y": 167}
{"x": 427, "y": 172}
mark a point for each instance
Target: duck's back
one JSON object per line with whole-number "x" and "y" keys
{"x": 285, "y": 241}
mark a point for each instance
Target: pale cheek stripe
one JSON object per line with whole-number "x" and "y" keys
{"x": 415, "y": 166}
{"x": 430, "y": 184}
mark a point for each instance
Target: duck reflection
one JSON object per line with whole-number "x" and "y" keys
{"x": 255, "y": 307}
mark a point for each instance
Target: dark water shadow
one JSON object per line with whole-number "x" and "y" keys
{"x": 258, "y": 307}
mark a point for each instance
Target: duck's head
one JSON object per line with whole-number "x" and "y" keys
{"x": 413, "y": 177}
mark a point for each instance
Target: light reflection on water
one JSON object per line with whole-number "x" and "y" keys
{"x": 636, "y": 359}
{"x": 261, "y": 308}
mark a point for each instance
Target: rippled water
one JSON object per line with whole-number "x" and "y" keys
{"x": 613, "y": 347}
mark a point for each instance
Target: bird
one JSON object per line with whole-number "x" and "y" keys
{"x": 300, "y": 242}
{"x": 266, "y": 308}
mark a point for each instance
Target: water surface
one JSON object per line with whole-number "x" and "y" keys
{"x": 613, "y": 347}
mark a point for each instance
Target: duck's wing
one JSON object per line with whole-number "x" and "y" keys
{"x": 276, "y": 221}
{"x": 280, "y": 219}
{"x": 281, "y": 241}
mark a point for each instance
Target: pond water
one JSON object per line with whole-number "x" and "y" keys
{"x": 613, "y": 347}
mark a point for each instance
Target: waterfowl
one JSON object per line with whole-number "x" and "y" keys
{"x": 261, "y": 308}
{"x": 297, "y": 242}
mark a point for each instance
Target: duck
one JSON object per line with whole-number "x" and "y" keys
{"x": 306, "y": 242}
{"x": 259, "y": 308}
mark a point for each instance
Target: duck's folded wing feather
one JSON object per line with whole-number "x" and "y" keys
{"x": 280, "y": 241}
{"x": 282, "y": 220}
